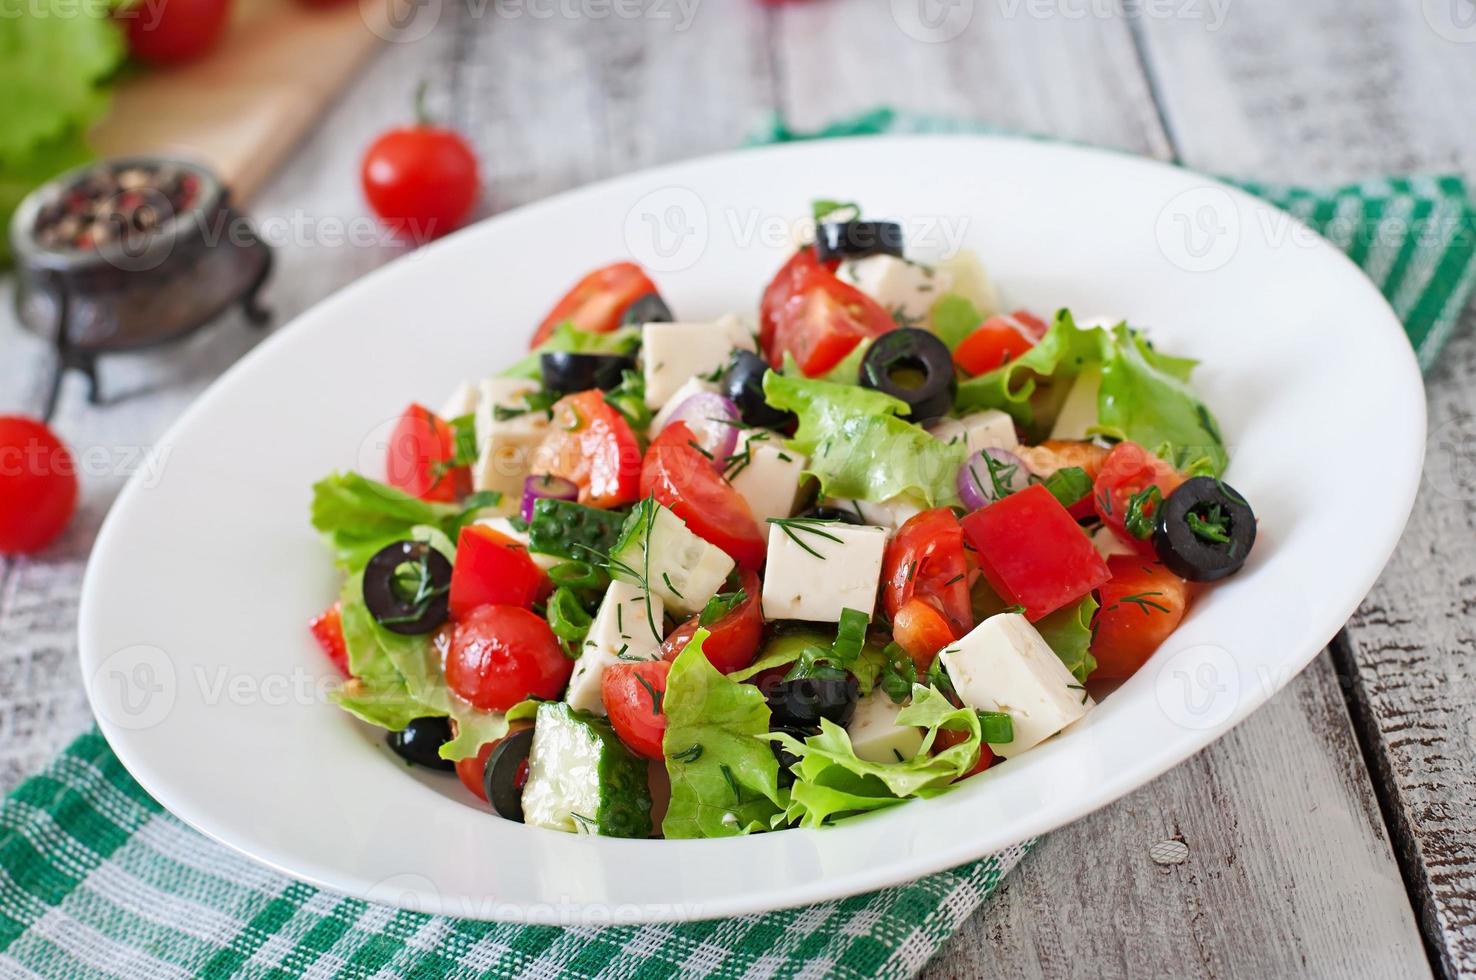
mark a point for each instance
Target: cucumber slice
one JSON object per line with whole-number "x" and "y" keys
{"x": 658, "y": 552}
{"x": 581, "y": 780}
{"x": 569, "y": 530}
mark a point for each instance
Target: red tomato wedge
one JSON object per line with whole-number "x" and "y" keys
{"x": 1141, "y": 605}
{"x": 1033, "y": 553}
{"x": 493, "y": 569}
{"x": 681, "y": 478}
{"x": 921, "y": 630}
{"x": 997, "y": 341}
{"x": 591, "y": 444}
{"x": 472, "y": 769}
{"x": 632, "y": 694}
{"x": 822, "y": 321}
{"x": 598, "y": 301}
{"x": 777, "y": 293}
{"x": 1128, "y": 471}
{"x": 733, "y": 640}
{"x": 327, "y": 629}
{"x": 419, "y": 461}
{"x": 926, "y": 558}
{"x": 947, "y": 738}
{"x": 501, "y": 655}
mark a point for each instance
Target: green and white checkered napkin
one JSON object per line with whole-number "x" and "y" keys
{"x": 97, "y": 880}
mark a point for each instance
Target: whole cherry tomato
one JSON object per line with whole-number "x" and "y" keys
{"x": 175, "y": 31}
{"x": 421, "y": 180}
{"x": 38, "y": 486}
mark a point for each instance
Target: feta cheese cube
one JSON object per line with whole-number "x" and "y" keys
{"x": 1078, "y": 412}
{"x": 682, "y": 568}
{"x": 690, "y": 387}
{"x": 463, "y": 401}
{"x": 888, "y": 514}
{"x": 766, "y": 474}
{"x": 672, "y": 353}
{"x": 621, "y": 631}
{"x": 506, "y": 447}
{"x": 1005, "y": 665}
{"x": 504, "y": 526}
{"x": 816, "y": 572}
{"x": 990, "y": 429}
{"x": 907, "y": 290}
{"x": 1107, "y": 543}
{"x": 875, "y": 734}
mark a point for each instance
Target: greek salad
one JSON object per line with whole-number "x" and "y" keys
{"x": 699, "y": 579}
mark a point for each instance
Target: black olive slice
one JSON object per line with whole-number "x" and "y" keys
{"x": 743, "y": 382}
{"x": 915, "y": 366}
{"x": 843, "y": 515}
{"x": 857, "y": 239}
{"x": 407, "y": 587}
{"x": 650, "y": 308}
{"x": 1205, "y": 530}
{"x": 506, "y": 773}
{"x": 420, "y": 742}
{"x": 786, "y": 758}
{"x": 802, "y": 702}
{"x": 565, "y": 372}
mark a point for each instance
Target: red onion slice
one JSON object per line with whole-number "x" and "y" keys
{"x": 981, "y": 482}
{"x": 714, "y": 421}
{"x": 536, "y": 488}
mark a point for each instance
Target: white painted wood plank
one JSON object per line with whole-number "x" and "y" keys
{"x": 1333, "y": 89}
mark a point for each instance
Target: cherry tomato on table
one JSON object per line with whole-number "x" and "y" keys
{"x": 1141, "y": 605}
{"x": 1122, "y": 497}
{"x": 633, "y": 696}
{"x": 420, "y": 454}
{"x": 733, "y": 639}
{"x": 997, "y": 341}
{"x": 421, "y": 180}
{"x": 493, "y": 569}
{"x": 38, "y": 486}
{"x": 597, "y": 302}
{"x": 174, "y": 32}
{"x": 822, "y": 320}
{"x": 501, "y": 655}
{"x": 683, "y": 479}
{"x": 592, "y": 445}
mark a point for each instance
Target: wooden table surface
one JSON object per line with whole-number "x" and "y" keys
{"x": 1334, "y": 832}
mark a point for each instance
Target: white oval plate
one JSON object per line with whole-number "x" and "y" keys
{"x": 193, "y": 615}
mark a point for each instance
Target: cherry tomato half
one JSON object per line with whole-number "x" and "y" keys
{"x": 633, "y": 694}
{"x": 1142, "y": 604}
{"x": 947, "y": 738}
{"x": 823, "y": 320}
{"x": 683, "y": 479}
{"x": 493, "y": 569}
{"x": 327, "y": 629}
{"x": 38, "y": 486}
{"x": 921, "y": 630}
{"x": 419, "y": 459}
{"x": 501, "y": 655}
{"x": 174, "y": 32}
{"x": 776, "y": 295}
{"x": 733, "y": 640}
{"x": 472, "y": 770}
{"x": 926, "y": 558}
{"x": 591, "y": 444}
{"x": 997, "y": 341}
{"x": 598, "y": 301}
{"x": 1121, "y": 487}
{"x": 421, "y": 180}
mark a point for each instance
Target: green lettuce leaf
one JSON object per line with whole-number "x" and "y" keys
{"x": 1144, "y": 398}
{"x": 724, "y": 777}
{"x": 847, "y": 372}
{"x": 1059, "y": 355}
{"x": 1068, "y": 631}
{"x": 831, "y": 782}
{"x": 357, "y": 516}
{"x": 567, "y": 337}
{"x": 859, "y": 448}
{"x": 954, "y": 318}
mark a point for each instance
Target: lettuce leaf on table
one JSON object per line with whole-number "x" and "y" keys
{"x": 831, "y": 782}
{"x": 858, "y": 446}
{"x": 724, "y": 777}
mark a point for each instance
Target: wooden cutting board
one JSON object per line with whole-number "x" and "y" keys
{"x": 242, "y": 108}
